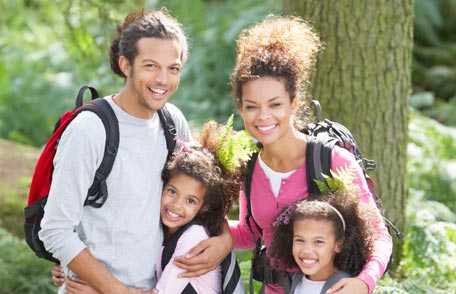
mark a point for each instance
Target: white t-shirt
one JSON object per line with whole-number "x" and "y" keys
{"x": 307, "y": 286}
{"x": 275, "y": 177}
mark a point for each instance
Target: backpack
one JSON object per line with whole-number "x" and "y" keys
{"x": 323, "y": 135}
{"x": 97, "y": 193}
{"x": 231, "y": 273}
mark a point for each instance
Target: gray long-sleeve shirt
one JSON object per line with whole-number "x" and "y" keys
{"x": 125, "y": 233}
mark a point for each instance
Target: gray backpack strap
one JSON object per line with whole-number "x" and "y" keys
{"x": 295, "y": 279}
{"x": 336, "y": 277}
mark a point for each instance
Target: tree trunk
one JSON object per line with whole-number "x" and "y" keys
{"x": 363, "y": 80}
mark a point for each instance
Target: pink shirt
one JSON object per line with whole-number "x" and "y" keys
{"x": 266, "y": 208}
{"x": 168, "y": 282}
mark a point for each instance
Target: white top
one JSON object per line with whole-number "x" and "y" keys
{"x": 307, "y": 286}
{"x": 275, "y": 177}
{"x": 168, "y": 282}
{"x": 125, "y": 233}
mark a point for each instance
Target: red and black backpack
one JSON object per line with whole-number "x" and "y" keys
{"x": 97, "y": 193}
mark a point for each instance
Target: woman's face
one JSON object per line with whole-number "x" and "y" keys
{"x": 267, "y": 109}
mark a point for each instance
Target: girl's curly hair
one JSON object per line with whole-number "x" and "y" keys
{"x": 222, "y": 186}
{"x": 279, "y": 47}
{"x": 357, "y": 243}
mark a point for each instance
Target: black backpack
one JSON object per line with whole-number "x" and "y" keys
{"x": 97, "y": 193}
{"x": 231, "y": 274}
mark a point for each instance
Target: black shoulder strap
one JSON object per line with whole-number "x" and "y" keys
{"x": 318, "y": 162}
{"x": 231, "y": 274}
{"x": 98, "y": 193}
{"x": 247, "y": 190}
{"x": 169, "y": 245}
{"x": 169, "y": 129}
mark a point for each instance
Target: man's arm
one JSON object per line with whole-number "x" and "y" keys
{"x": 94, "y": 273}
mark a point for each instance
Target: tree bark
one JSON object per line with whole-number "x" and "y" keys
{"x": 363, "y": 80}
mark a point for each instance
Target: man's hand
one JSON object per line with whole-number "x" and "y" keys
{"x": 75, "y": 286}
{"x": 205, "y": 256}
{"x": 58, "y": 277}
{"x": 349, "y": 286}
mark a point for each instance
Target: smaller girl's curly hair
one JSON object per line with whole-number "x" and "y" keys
{"x": 222, "y": 186}
{"x": 356, "y": 238}
{"x": 279, "y": 47}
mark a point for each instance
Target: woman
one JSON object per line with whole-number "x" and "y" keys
{"x": 274, "y": 61}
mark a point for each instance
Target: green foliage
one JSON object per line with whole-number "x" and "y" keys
{"x": 432, "y": 158}
{"x": 434, "y": 55}
{"x": 11, "y": 212}
{"x": 235, "y": 148}
{"x": 20, "y": 270}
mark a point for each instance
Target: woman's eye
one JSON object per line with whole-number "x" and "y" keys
{"x": 276, "y": 105}
{"x": 250, "y": 107}
{"x": 191, "y": 201}
{"x": 171, "y": 191}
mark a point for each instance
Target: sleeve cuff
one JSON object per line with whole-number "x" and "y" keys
{"x": 370, "y": 282}
{"x": 70, "y": 252}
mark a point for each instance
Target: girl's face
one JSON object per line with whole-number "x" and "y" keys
{"x": 182, "y": 199}
{"x": 267, "y": 109}
{"x": 314, "y": 248}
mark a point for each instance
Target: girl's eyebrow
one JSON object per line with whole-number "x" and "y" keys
{"x": 269, "y": 100}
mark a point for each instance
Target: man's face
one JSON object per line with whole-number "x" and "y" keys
{"x": 154, "y": 75}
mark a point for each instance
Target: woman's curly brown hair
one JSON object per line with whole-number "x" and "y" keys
{"x": 357, "y": 243}
{"x": 200, "y": 163}
{"x": 279, "y": 47}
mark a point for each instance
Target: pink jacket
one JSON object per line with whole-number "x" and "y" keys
{"x": 266, "y": 207}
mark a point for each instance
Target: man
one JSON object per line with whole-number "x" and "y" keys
{"x": 113, "y": 248}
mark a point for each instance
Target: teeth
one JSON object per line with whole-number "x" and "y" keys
{"x": 172, "y": 214}
{"x": 157, "y": 91}
{"x": 309, "y": 261}
{"x": 266, "y": 128}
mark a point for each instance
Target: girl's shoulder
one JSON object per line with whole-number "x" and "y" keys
{"x": 193, "y": 235}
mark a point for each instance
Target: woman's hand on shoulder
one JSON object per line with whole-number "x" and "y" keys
{"x": 349, "y": 286}
{"x": 205, "y": 256}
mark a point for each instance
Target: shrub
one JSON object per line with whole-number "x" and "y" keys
{"x": 20, "y": 270}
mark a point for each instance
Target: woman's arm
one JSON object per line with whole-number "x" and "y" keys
{"x": 376, "y": 265}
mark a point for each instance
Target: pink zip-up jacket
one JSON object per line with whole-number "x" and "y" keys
{"x": 266, "y": 207}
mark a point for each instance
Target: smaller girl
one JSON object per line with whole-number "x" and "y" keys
{"x": 326, "y": 237}
{"x": 195, "y": 199}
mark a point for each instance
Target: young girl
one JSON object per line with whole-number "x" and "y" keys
{"x": 198, "y": 192}
{"x": 326, "y": 237}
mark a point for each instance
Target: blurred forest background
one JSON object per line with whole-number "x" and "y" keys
{"x": 48, "y": 49}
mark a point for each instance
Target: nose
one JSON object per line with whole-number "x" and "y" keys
{"x": 161, "y": 77}
{"x": 265, "y": 113}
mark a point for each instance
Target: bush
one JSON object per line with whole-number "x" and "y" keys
{"x": 20, "y": 270}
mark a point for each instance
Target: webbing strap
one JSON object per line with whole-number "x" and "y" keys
{"x": 169, "y": 129}
{"x": 98, "y": 193}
